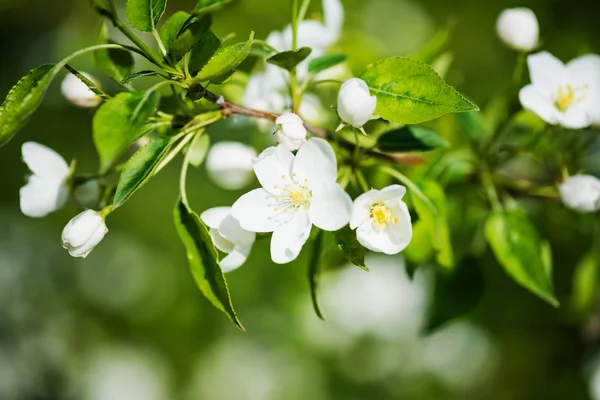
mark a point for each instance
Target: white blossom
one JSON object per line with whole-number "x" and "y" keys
{"x": 77, "y": 92}
{"x": 291, "y": 132}
{"x": 229, "y": 164}
{"x": 46, "y": 189}
{"x": 518, "y": 28}
{"x": 355, "y": 103}
{"x": 83, "y": 233}
{"x": 581, "y": 193}
{"x": 566, "y": 95}
{"x": 229, "y": 237}
{"x": 297, "y": 192}
{"x": 382, "y": 220}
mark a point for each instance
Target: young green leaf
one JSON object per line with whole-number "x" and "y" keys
{"x": 517, "y": 246}
{"x": 349, "y": 246}
{"x": 209, "y": 6}
{"x": 226, "y": 59}
{"x": 203, "y": 259}
{"x": 314, "y": 267}
{"x": 119, "y": 122}
{"x": 139, "y": 74}
{"x": 189, "y": 36}
{"x": 203, "y": 51}
{"x": 585, "y": 283}
{"x": 172, "y": 27}
{"x": 140, "y": 168}
{"x": 117, "y": 64}
{"x": 410, "y": 92}
{"x": 144, "y": 15}
{"x": 288, "y": 60}
{"x": 23, "y": 99}
{"x": 410, "y": 138}
{"x": 324, "y": 62}
{"x": 199, "y": 150}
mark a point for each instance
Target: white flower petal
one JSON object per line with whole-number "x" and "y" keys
{"x": 44, "y": 162}
{"x": 393, "y": 192}
{"x": 289, "y": 118}
{"x": 316, "y": 162}
{"x": 255, "y": 211}
{"x": 330, "y": 207}
{"x": 214, "y": 216}
{"x": 546, "y": 72}
{"x": 231, "y": 230}
{"x": 361, "y": 209}
{"x": 584, "y": 70}
{"x": 235, "y": 258}
{"x": 532, "y": 100}
{"x": 333, "y": 13}
{"x": 220, "y": 242}
{"x": 581, "y": 193}
{"x": 273, "y": 168}
{"x": 401, "y": 231}
{"x": 576, "y": 118}
{"x": 288, "y": 239}
{"x": 518, "y": 28}
{"x": 229, "y": 164}
{"x": 40, "y": 197}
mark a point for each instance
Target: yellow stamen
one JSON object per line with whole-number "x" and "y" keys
{"x": 381, "y": 215}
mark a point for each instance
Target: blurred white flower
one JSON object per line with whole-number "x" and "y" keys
{"x": 229, "y": 164}
{"x": 297, "y": 192}
{"x": 518, "y": 28}
{"x": 87, "y": 195}
{"x": 291, "y": 132}
{"x": 581, "y": 193}
{"x": 566, "y": 95}
{"x": 83, "y": 233}
{"x": 229, "y": 237}
{"x": 77, "y": 92}
{"x": 46, "y": 190}
{"x": 382, "y": 220}
{"x": 355, "y": 103}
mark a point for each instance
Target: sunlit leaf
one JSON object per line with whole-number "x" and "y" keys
{"x": 288, "y": 60}
{"x": 349, "y": 246}
{"x": 324, "y": 62}
{"x": 226, "y": 59}
{"x": 144, "y": 15}
{"x": 117, "y": 64}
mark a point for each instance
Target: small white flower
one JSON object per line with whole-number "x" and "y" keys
{"x": 77, "y": 92}
{"x": 355, "y": 103}
{"x": 566, "y": 95}
{"x": 229, "y": 237}
{"x": 87, "y": 195}
{"x": 229, "y": 164}
{"x": 297, "y": 192}
{"x": 581, "y": 193}
{"x": 518, "y": 28}
{"x": 382, "y": 220}
{"x": 46, "y": 190}
{"x": 83, "y": 233}
{"x": 291, "y": 132}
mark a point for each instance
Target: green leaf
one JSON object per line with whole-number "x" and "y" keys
{"x": 119, "y": 122}
{"x": 23, "y": 99}
{"x": 203, "y": 51}
{"x": 117, "y": 64}
{"x": 139, "y": 74}
{"x": 288, "y": 60}
{"x": 433, "y": 215}
{"x": 203, "y": 259}
{"x": 349, "y": 246}
{"x": 585, "y": 283}
{"x": 140, "y": 168}
{"x": 170, "y": 29}
{"x": 517, "y": 246}
{"x": 410, "y": 138}
{"x": 314, "y": 267}
{"x": 103, "y": 7}
{"x": 410, "y": 92}
{"x": 474, "y": 124}
{"x": 199, "y": 150}
{"x": 144, "y": 15}
{"x": 226, "y": 59}
{"x": 190, "y": 36}
{"x": 209, "y": 6}
{"x": 324, "y": 62}
{"x": 91, "y": 85}
{"x": 456, "y": 293}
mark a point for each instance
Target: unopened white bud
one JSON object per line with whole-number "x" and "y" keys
{"x": 229, "y": 165}
{"x": 83, "y": 233}
{"x": 291, "y": 132}
{"x": 518, "y": 28}
{"x": 355, "y": 103}
{"x": 581, "y": 193}
{"x": 77, "y": 92}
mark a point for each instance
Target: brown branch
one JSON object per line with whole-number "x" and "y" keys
{"x": 230, "y": 108}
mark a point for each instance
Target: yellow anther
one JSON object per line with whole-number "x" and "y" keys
{"x": 381, "y": 215}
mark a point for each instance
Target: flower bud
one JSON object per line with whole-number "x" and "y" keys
{"x": 83, "y": 233}
{"x": 291, "y": 132}
{"x": 229, "y": 165}
{"x": 355, "y": 103}
{"x": 581, "y": 193}
{"x": 518, "y": 28}
{"x": 77, "y": 92}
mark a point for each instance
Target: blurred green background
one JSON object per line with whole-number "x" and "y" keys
{"x": 128, "y": 323}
